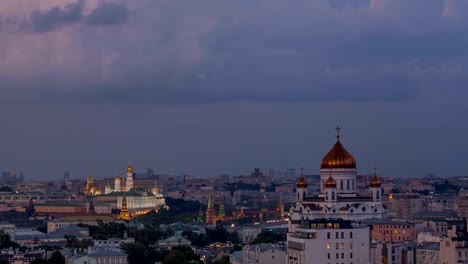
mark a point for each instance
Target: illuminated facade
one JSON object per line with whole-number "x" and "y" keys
{"x": 338, "y": 197}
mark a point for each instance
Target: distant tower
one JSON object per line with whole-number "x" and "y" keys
{"x": 301, "y": 187}
{"x": 129, "y": 183}
{"x": 117, "y": 183}
{"x": 124, "y": 215}
{"x": 221, "y": 212}
{"x": 281, "y": 207}
{"x": 91, "y": 207}
{"x": 200, "y": 215}
{"x": 89, "y": 188}
{"x": 30, "y": 209}
{"x": 210, "y": 211}
{"x": 263, "y": 213}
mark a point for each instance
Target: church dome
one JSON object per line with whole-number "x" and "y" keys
{"x": 129, "y": 169}
{"x": 302, "y": 182}
{"x": 338, "y": 157}
{"x": 375, "y": 182}
{"x": 330, "y": 182}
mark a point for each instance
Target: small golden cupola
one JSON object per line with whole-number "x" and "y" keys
{"x": 129, "y": 169}
{"x": 338, "y": 157}
{"x": 330, "y": 182}
{"x": 302, "y": 182}
{"x": 375, "y": 181}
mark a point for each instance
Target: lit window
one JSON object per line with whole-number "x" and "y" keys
{"x": 336, "y": 246}
{"x": 328, "y": 246}
{"x": 350, "y": 245}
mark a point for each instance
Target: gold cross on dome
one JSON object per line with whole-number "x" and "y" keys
{"x": 302, "y": 171}
{"x": 338, "y": 128}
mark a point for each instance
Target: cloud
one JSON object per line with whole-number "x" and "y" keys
{"x": 108, "y": 14}
{"x": 43, "y": 21}
{"x": 208, "y": 51}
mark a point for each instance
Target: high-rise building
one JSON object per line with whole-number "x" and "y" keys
{"x": 328, "y": 241}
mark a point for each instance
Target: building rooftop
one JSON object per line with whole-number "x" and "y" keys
{"x": 107, "y": 252}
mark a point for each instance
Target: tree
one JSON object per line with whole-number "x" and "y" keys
{"x": 223, "y": 260}
{"x": 268, "y": 237}
{"x": 56, "y": 258}
{"x": 136, "y": 252}
{"x": 5, "y": 241}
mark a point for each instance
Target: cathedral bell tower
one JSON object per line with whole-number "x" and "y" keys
{"x": 301, "y": 187}
{"x": 376, "y": 187}
{"x": 129, "y": 183}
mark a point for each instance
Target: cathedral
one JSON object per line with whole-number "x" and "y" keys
{"x": 338, "y": 197}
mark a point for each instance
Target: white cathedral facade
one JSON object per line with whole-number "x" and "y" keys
{"x": 325, "y": 228}
{"x": 337, "y": 197}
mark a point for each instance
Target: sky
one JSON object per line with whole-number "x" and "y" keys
{"x": 213, "y": 87}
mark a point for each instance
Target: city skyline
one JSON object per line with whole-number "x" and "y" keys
{"x": 212, "y": 87}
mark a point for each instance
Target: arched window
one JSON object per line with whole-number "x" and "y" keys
{"x": 341, "y": 184}
{"x": 347, "y": 184}
{"x": 378, "y": 195}
{"x": 333, "y": 195}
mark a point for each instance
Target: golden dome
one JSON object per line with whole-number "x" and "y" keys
{"x": 129, "y": 169}
{"x": 330, "y": 182}
{"x": 302, "y": 183}
{"x": 375, "y": 182}
{"x": 338, "y": 157}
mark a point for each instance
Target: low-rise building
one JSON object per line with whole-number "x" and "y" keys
{"x": 428, "y": 253}
{"x": 264, "y": 254}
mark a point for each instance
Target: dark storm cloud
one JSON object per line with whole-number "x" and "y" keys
{"x": 108, "y": 14}
{"x": 43, "y": 21}
{"x": 264, "y": 51}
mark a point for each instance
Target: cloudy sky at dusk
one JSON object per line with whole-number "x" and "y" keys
{"x": 215, "y": 87}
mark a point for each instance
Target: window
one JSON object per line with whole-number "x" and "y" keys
{"x": 328, "y": 235}
{"x": 336, "y": 235}
{"x": 350, "y": 234}
{"x": 342, "y": 234}
{"x": 337, "y": 255}
{"x": 350, "y": 245}
{"x": 328, "y": 246}
{"x": 342, "y": 245}
{"x": 351, "y": 255}
{"x": 336, "y": 246}
{"x": 342, "y": 255}
{"x": 328, "y": 255}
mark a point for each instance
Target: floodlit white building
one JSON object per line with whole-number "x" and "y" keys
{"x": 328, "y": 241}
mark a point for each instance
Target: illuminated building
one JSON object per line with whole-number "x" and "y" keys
{"x": 124, "y": 215}
{"x": 210, "y": 211}
{"x": 338, "y": 197}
